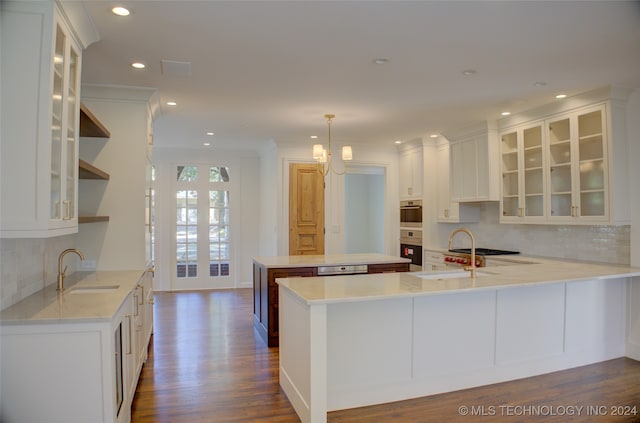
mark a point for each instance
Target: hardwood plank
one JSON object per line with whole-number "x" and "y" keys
{"x": 207, "y": 364}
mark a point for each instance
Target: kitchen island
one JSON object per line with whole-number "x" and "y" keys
{"x": 367, "y": 339}
{"x": 266, "y": 269}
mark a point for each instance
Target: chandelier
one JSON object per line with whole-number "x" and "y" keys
{"x": 324, "y": 156}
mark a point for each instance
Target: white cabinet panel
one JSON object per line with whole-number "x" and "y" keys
{"x": 411, "y": 166}
{"x": 602, "y": 324}
{"x": 444, "y": 348}
{"x": 447, "y": 210}
{"x": 356, "y": 346}
{"x": 474, "y": 164}
{"x": 530, "y": 323}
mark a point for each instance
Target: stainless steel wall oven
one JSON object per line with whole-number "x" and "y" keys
{"x": 411, "y": 213}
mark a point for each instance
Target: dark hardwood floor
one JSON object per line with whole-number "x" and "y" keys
{"x": 206, "y": 364}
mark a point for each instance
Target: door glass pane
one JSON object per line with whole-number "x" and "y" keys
{"x": 186, "y": 233}
{"x": 219, "y": 174}
{"x": 187, "y": 173}
{"x": 219, "y": 233}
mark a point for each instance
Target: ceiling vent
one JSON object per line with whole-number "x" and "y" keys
{"x": 175, "y": 68}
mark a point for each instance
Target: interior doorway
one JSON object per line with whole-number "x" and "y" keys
{"x": 364, "y": 209}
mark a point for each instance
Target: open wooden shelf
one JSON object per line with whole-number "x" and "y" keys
{"x": 90, "y": 126}
{"x": 89, "y": 171}
{"x": 92, "y": 219}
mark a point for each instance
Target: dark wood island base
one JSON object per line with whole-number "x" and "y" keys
{"x": 265, "y": 288}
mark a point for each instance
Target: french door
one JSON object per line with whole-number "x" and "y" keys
{"x": 202, "y": 230}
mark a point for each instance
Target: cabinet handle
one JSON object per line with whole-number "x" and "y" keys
{"x": 67, "y": 209}
{"x": 446, "y": 212}
{"x": 574, "y": 211}
{"x": 128, "y": 316}
{"x": 135, "y": 296}
{"x": 150, "y": 211}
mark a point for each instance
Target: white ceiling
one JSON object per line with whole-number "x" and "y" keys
{"x": 270, "y": 70}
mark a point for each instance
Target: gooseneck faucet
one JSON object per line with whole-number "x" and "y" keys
{"x": 62, "y": 272}
{"x": 472, "y": 267}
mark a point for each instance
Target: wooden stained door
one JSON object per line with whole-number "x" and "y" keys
{"x": 306, "y": 209}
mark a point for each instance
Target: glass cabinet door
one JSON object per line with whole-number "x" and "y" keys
{"x": 55, "y": 207}
{"x": 64, "y": 125}
{"x": 533, "y": 175}
{"x": 560, "y": 172}
{"x": 591, "y": 161}
{"x": 510, "y": 170}
{"x": 71, "y": 165}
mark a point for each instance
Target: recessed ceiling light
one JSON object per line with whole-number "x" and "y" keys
{"x": 206, "y": 144}
{"x": 505, "y": 113}
{"x": 397, "y": 142}
{"x": 171, "y": 103}
{"x": 539, "y": 84}
{"x": 313, "y": 137}
{"x": 138, "y": 65}
{"x": 434, "y": 136}
{"x": 559, "y": 96}
{"x": 210, "y": 134}
{"x": 469, "y": 72}
{"x": 381, "y": 61}
{"x": 120, "y": 11}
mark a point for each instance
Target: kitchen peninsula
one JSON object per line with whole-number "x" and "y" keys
{"x": 367, "y": 339}
{"x": 267, "y": 269}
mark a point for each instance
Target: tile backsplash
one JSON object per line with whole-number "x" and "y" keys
{"x": 28, "y": 265}
{"x": 601, "y": 243}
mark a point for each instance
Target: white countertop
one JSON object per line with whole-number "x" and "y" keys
{"x": 327, "y": 260}
{"x": 51, "y": 306}
{"x": 330, "y": 289}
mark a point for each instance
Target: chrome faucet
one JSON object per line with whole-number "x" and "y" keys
{"x": 472, "y": 267}
{"x": 62, "y": 272}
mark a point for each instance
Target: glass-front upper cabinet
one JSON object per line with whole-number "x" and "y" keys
{"x": 577, "y": 170}
{"x": 510, "y": 175}
{"x": 64, "y": 131}
{"x": 523, "y": 179}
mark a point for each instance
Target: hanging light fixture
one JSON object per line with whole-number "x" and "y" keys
{"x": 324, "y": 156}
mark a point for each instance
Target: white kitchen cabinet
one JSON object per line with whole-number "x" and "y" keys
{"x": 523, "y": 174}
{"x": 473, "y": 164}
{"x": 40, "y": 114}
{"x": 572, "y": 181}
{"x": 449, "y": 211}
{"x": 411, "y": 166}
{"x": 87, "y": 348}
{"x": 578, "y": 175}
{"x": 556, "y": 170}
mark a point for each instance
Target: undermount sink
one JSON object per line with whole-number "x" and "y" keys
{"x": 103, "y": 289}
{"x": 452, "y": 274}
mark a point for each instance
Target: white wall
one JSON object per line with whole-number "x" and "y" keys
{"x": 244, "y": 169}
{"x": 364, "y": 207}
{"x": 268, "y": 217}
{"x": 633, "y": 138}
{"x": 120, "y": 243}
